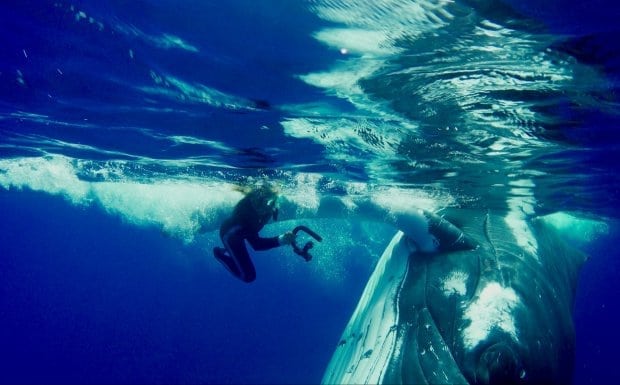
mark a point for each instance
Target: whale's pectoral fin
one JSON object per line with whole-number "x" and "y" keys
{"x": 435, "y": 357}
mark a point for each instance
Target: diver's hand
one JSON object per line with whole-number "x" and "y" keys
{"x": 286, "y": 238}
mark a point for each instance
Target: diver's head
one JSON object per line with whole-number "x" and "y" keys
{"x": 264, "y": 198}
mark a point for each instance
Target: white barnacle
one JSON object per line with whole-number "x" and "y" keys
{"x": 492, "y": 309}
{"x": 455, "y": 283}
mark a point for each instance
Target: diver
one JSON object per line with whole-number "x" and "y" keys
{"x": 249, "y": 216}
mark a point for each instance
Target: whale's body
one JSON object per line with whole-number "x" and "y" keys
{"x": 498, "y": 312}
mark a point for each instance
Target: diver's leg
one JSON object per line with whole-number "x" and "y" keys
{"x": 235, "y": 246}
{"x": 226, "y": 260}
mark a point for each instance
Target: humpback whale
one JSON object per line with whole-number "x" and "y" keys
{"x": 490, "y": 310}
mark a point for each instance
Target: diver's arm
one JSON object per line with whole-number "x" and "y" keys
{"x": 259, "y": 243}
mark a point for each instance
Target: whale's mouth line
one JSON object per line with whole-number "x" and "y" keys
{"x": 496, "y": 362}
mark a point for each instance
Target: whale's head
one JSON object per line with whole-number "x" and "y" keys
{"x": 492, "y": 309}
{"x": 503, "y": 309}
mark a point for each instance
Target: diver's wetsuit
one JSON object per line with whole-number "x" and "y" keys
{"x": 244, "y": 224}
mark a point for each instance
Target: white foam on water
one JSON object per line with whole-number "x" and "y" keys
{"x": 53, "y": 175}
{"x": 402, "y": 200}
{"x": 303, "y": 190}
{"x": 178, "y": 207}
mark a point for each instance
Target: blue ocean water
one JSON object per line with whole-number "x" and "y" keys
{"x": 122, "y": 124}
